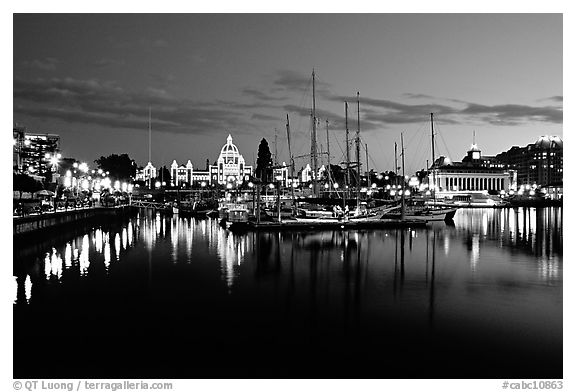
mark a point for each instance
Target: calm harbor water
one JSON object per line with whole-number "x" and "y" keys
{"x": 178, "y": 297}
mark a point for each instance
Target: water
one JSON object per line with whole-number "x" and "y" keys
{"x": 184, "y": 298}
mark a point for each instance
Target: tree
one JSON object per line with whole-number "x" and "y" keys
{"x": 164, "y": 175}
{"x": 264, "y": 161}
{"x": 25, "y": 183}
{"x": 121, "y": 167}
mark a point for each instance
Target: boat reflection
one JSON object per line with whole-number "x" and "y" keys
{"x": 318, "y": 258}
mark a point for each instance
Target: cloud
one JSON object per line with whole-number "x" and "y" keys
{"x": 106, "y": 104}
{"x": 45, "y": 64}
{"x": 556, "y": 98}
{"x": 418, "y": 96}
{"x": 513, "y": 114}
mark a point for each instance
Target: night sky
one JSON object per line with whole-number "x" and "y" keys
{"x": 91, "y": 78}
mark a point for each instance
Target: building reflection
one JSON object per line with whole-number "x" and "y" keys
{"x": 321, "y": 261}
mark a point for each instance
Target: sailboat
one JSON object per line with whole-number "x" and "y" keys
{"x": 431, "y": 212}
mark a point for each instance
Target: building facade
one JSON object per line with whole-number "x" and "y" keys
{"x": 230, "y": 167}
{"x": 540, "y": 163}
{"x": 35, "y": 154}
{"x": 474, "y": 173}
{"x": 146, "y": 174}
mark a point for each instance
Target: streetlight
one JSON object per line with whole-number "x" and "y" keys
{"x": 251, "y": 186}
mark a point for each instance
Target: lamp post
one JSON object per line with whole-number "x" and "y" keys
{"x": 251, "y": 186}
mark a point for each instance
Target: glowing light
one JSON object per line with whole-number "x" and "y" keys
{"x": 83, "y": 167}
{"x": 28, "y": 288}
{"x": 336, "y": 185}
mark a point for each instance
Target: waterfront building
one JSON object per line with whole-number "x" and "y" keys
{"x": 36, "y": 153}
{"x": 539, "y": 163}
{"x": 181, "y": 174}
{"x": 230, "y": 167}
{"x": 281, "y": 174}
{"x": 146, "y": 174}
{"x": 17, "y": 145}
{"x": 307, "y": 174}
{"x": 473, "y": 174}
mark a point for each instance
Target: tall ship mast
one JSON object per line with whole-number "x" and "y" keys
{"x": 313, "y": 146}
{"x": 433, "y": 190}
{"x": 358, "y": 165}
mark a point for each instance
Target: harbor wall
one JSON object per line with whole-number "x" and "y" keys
{"x": 46, "y": 223}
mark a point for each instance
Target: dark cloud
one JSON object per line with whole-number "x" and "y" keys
{"x": 106, "y": 104}
{"x": 513, "y": 114}
{"x": 45, "y": 64}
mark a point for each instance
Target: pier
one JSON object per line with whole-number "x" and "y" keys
{"x": 327, "y": 225}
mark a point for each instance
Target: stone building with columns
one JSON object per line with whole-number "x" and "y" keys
{"x": 474, "y": 174}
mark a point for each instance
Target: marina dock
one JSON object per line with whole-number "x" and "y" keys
{"x": 329, "y": 224}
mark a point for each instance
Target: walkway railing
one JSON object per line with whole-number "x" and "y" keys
{"x": 147, "y": 204}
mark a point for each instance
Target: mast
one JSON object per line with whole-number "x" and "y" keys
{"x": 275, "y": 147}
{"x": 358, "y": 154}
{"x": 291, "y": 165}
{"x": 395, "y": 166}
{"x": 328, "y": 152}
{"x": 347, "y": 174}
{"x": 403, "y": 210}
{"x": 314, "y": 149}
{"x": 367, "y": 171}
{"x": 150, "y": 145}
{"x": 433, "y": 161}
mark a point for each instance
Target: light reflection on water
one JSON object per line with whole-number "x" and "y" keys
{"x": 527, "y": 237}
{"x": 497, "y": 270}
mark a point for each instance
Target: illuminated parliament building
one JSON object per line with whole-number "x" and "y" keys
{"x": 230, "y": 167}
